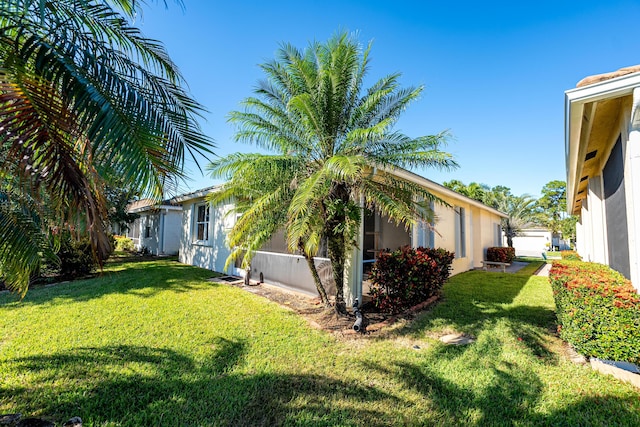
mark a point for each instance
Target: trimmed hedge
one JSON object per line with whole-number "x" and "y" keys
{"x": 408, "y": 276}
{"x": 570, "y": 255}
{"x": 500, "y": 254}
{"x": 598, "y": 310}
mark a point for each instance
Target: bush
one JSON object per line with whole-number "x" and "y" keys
{"x": 76, "y": 258}
{"x": 598, "y": 310}
{"x": 499, "y": 254}
{"x": 123, "y": 243}
{"x": 407, "y": 276}
{"x": 570, "y": 255}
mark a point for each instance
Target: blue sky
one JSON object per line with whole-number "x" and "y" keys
{"x": 494, "y": 72}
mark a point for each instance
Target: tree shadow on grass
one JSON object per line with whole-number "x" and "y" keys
{"x": 136, "y": 385}
{"x": 477, "y": 302}
{"x": 129, "y": 385}
{"x": 144, "y": 279}
{"x": 512, "y": 395}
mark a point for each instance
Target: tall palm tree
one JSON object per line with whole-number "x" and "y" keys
{"x": 85, "y": 100}
{"x": 520, "y": 210}
{"x": 333, "y": 147}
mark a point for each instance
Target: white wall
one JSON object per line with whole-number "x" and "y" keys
{"x": 172, "y": 232}
{"x": 213, "y": 253}
{"x": 531, "y": 243}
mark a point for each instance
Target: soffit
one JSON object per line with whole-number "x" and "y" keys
{"x": 601, "y": 124}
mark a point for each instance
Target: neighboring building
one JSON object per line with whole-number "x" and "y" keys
{"x": 159, "y": 227}
{"x": 602, "y": 147}
{"x": 467, "y": 228}
{"x": 532, "y": 240}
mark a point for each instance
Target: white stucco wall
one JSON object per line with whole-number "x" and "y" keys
{"x": 532, "y": 242}
{"x": 479, "y": 233}
{"x": 213, "y": 253}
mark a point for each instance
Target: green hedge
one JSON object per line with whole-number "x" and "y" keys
{"x": 598, "y": 310}
{"x": 500, "y": 254}
{"x": 407, "y": 276}
{"x": 570, "y": 255}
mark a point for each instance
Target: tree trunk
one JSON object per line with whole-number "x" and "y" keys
{"x": 316, "y": 277}
{"x": 336, "y": 255}
{"x": 509, "y": 241}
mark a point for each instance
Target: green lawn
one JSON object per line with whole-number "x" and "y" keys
{"x": 154, "y": 343}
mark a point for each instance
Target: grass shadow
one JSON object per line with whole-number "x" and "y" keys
{"x": 476, "y": 302}
{"x": 135, "y": 385}
{"x": 143, "y": 278}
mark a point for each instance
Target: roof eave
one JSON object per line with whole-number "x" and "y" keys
{"x": 575, "y": 102}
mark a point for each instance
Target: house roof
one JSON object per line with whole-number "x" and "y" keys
{"x": 143, "y": 205}
{"x": 608, "y": 76}
{"x": 446, "y": 192}
{"x": 592, "y": 112}
{"x": 197, "y": 194}
{"x": 427, "y": 183}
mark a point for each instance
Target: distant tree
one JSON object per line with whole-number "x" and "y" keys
{"x": 118, "y": 199}
{"x": 474, "y": 190}
{"x": 521, "y": 210}
{"x": 333, "y": 146}
{"x": 568, "y": 228}
{"x": 552, "y": 205}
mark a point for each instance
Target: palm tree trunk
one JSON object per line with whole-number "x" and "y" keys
{"x": 336, "y": 255}
{"x": 316, "y": 277}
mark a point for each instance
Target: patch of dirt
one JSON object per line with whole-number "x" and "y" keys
{"x": 326, "y": 319}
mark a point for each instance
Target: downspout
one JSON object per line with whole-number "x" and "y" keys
{"x": 161, "y": 233}
{"x": 633, "y": 194}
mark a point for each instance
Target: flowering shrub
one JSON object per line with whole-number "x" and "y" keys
{"x": 408, "y": 276}
{"x": 496, "y": 254}
{"x": 598, "y": 310}
{"x": 570, "y": 255}
{"x": 123, "y": 243}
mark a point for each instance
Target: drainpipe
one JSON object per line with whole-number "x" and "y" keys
{"x": 161, "y": 233}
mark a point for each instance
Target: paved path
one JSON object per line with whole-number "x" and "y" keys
{"x": 517, "y": 266}
{"x": 544, "y": 271}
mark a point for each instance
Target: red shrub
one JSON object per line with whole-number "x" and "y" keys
{"x": 408, "y": 276}
{"x": 598, "y": 310}
{"x": 496, "y": 254}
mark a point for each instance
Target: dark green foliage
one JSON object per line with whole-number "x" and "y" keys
{"x": 408, "y": 276}
{"x": 76, "y": 258}
{"x": 598, "y": 310}
{"x": 499, "y": 254}
{"x": 86, "y": 101}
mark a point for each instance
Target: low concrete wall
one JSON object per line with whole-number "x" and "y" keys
{"x": 291, "y": 271}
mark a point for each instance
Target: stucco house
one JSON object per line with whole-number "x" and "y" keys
{"x": 159, "y": 227}
{"x": 602, "y": 147}
{"x": 532, "y": 240}
{"x": 466, "y": 227}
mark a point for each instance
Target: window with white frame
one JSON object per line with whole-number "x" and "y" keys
{"x": 201, "y": 225}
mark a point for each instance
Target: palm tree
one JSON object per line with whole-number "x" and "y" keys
{"x": 334, "y": 149}
{"x": 520, "y": 211}
{"x": 85, "y": 100}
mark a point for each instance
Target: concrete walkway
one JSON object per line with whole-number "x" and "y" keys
{"x": 544, "y": 271}
{"x": 517, "y": 266}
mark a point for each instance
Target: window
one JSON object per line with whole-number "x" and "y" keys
{"x": 147, "y": 232}
{"x": 498, "y": 235}
{"x": 461, "y": 234}
{"x": 202, "y": 222}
